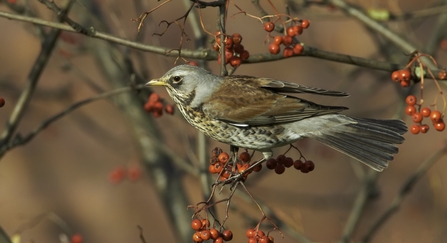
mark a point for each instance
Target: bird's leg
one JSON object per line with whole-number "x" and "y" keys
{"x": 240, "y": 176}
{"x": 234, "y": 151}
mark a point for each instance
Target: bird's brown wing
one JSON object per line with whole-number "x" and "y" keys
{"x": 245, "y": 100}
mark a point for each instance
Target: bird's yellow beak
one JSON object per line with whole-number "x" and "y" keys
{"x": 156, "y": 82}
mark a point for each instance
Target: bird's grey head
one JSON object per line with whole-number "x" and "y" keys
{"x": 188, "y": 85}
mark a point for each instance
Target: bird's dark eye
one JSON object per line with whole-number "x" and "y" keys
{"x": 177, "y": 79}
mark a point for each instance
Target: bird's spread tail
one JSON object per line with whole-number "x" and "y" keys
{"x": 370, "y": 141}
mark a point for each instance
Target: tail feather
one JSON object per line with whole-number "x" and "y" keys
{"x": 370, "y": 141}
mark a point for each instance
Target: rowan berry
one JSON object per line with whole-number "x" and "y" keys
{"x": 287, "y": 40}
{"x": 280, "y": 159}
{"x": 154, "y": 97}
{"x": 269, "y": 26}
{"x": 271, "y": 164}
{"x": 223, "y": 158}
{"x": 298, "y": 29}
{"x": 277, "y": 40}
{"x": 279, "y": 169}
{"x": 237, "y": 38}
{"x": 405, "y": 74}
{"x": 169, "y": 109}
{"x": 415, "y": 128}
{"x": 205, "y": 223}
{"x": 196, "y": 238}
{"x": 435, "y": 116}
{"x": 410, "y": 110}
{"x": 235, "y": 61}
{"x": 424, "y": 128}
{"x": 439, "y": 125}
{"x": 2, "y": 102}
{"x": 395, "y": 76}
{"x": 227, "y": 235}
{"x": 417, "y": 117}
{"x": 274, "y": 48}
{"x": 238, "y": 48}
{"x": 244, "y": 55}
{"x": 305, "y": 23}
{"x": 288, "y": 52}
{"x": 244, "y": 157}
{"x": 76, "y": 238}
{"x": 205, "y": 234}
{"x": 411, "y": 100}
{"x": 288, "y": 162}
{"x": 442, "y": 74}
{"x": 196, "y": 224}
{"x": 298, "y": 164}
{"x": 214, "y": 233}
{"x": 218, "y": 240}
{"x": 291, "y": 31}
{"x": 298, "y": 49}
{"x": 425, "y": 112}
{"x": 250, "y": 233}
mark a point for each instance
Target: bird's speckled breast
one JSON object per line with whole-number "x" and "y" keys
{"x": 254, "y": 137}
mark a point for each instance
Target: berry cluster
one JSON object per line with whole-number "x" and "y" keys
{"x": 418, "y": 115}
{"x": 258, "y": 236}
{"x": 118, "y": 174}
{"x": 287, "y": 40}
{"x": 282, "y": 162}
{"x": 204, "y": 232}
{"x": 154, "y": 105}
{"x": 234, "y": 50}
{"x": 219, "y": 164}
{"x": 76, "y": 238}
{"x": 2, "y": 102}
{"x": 402, "y": 76}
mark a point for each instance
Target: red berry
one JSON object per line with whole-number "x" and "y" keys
{"x": 2, "y": 102}
{"x": 238, "y": 48}
{"x": 287, "y": 40}
{"x": 411, "y": 100}
{"x": 274, "y": 48}
{"x": 298, "y": 49}
{"x": 435, "y": 116}
{"x": 134, "y": 173}
{"x": 410, "y": 110}
{"x": 245, "y": 157}
{"x": 415, "y": 128}
{"x": 237, "y": 38}
{"x": 205, "y": 223}
{"x": 257, "y": 168}
{"x": 405, "y": 74}
{"x": 277, "y": 40}
{"x": 395, "y": 76}
{"x": 228, "y": 43}
{"x": 193, "y": 64}
{"x": 269, "y": 26}
{"x": 305, "y": 23}
{"x": 439, "y": 125}
{"x": 216, "y": 46}
{"x": 218, "y": 240}
{"x": 250, "y": 233}
{"x": 252, "y": 240}
{"x": 235, "y": 61}
{"x": 279, "y": 169}
{"x": 404, "y": 83}
{"x": 425, "y": 112}
{"x": 263, "y": 239}
{"x": 157, "y": 113}
{"x": 212, "y": 169}
{"x": 245, "y": 55}
{"x": 281, "y": 158}
{"x": 227, "y": 235}
{"x": 76, "y": 238}
{"x": 271, "y": 164}
{"x": 298, "y": 164}
{"x": 196, "y": 224}
{"x": 288, "y": 162}
{"x": 298, "y": 29}
{"x": 288, "y": 52}
{"x": 158, "y": 106}
{"x": 117, "y": 175}
{"x": 154, "y": 97}
{"x": 310, "y": 165}
{"x": 169, "y": 109}
{"x": 417, "y": 117}
{"x": 218, "y": 168}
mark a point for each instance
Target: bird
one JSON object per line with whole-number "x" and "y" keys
{"x": 264, "y": 113}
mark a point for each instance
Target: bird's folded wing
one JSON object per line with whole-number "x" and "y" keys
{"x": 243, "y": 102}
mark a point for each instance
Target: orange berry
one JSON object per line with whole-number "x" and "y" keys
{"x": 263, "y": 239}
{"x": 291, "y": 31}
{"x": 271, "y": 239}
{"x": 439, "y": 125}
{"x": 2, "y": 102}
{"x": 218, "y": 168}
{"x": 279, "y": 169}
{"x": 193, "y": 64}
{"x": 252, "y": 240}
{"x": 227, "y": 235}
{"x": 196, "y": 238}
{"x": 235, "y": 61}
{"x": 250, "y": 233}
{"x": 298, "y": 49}
{"x": 395, "y": 76}
{"x": 205, "y": 223}
{"x": 245, "y": 55}
{"x": 435, "y": 116}
{"x": 410, "y": 110}
{"x": 245, "y": 157}
{"x": 223, "y": 158}
{"x": 288, "y": 52}
{"x": 277, "y": 40}
{"x": 271, "y": 164}
{"x": 76, "y": 238}
{"x": 214, "y": 233}
{"x": 287, "y": 40}
{"x": 237, "y": 38}
{"x": 228, "y": 43}
{"x": 148, "y": 107}
{"x": 226, "y": 174}
{"x": 417, "y": 117}
{"x": 260, "y": 233}
{"x": 424, "y": 128}
{"x": 411, "y": 100}
{"x": 117, "y": 175}
{"x": 425, "y": 112}
{"x": 305, "y": 23}
{"x": 218, "y": 240}
{"x": 415, "y": 128}
{"x": 158, "y": 106}
{"x": 298, "y": 29}
{"x": 274, "y": 48}
{"x": 442, "y": 74}
{"x": 269, "y": 26}
{"x": 205, "y": 234}
{"x": 211, "y": 169}
{"x": 196, "y": 224}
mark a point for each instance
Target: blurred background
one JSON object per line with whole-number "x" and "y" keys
{"x": 63, "y": 182}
